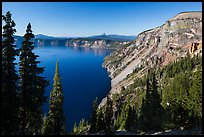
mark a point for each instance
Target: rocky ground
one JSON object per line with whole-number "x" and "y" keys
{"x": 181, "y": 131}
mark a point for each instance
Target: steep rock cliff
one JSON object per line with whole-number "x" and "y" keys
{"x": 155, "y": 47}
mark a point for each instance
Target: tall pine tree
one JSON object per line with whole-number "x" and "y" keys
{"x": 131, "y": 119}
{"x": 32, "y": 87}
{"x": 109, "y": 116}
{"x": 146, "y": 109}
{"x": 157, "y": 109}
{"x": 55, "y": 122}
{"x": 100, "y": 120}
{"x": 9, "y": 97}
{"x": 93, "y": 120}
{"x": 151, "y": 110}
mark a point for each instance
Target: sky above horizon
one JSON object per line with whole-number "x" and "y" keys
{"x": 70, "y": 19}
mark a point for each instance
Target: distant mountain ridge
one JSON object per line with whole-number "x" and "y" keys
{"x": 102, "y": 36}
{"x": 41, "y": 36}
{"x": 102, "y": 41}
{"x": 114, "y": 37}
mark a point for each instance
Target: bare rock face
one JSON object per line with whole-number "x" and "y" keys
{"x": 152, "y": 46}
{"x": 195, "y": 47}
{"x": 156, "y": 47}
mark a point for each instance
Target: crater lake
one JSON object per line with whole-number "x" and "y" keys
{"x": 83, "y": 78}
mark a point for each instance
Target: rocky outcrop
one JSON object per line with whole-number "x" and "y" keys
{"x": 195, "y": 47}
{"x": 99, "y": 43}
{"x": 80, "y": 42}
{"x": 155, "y": 47}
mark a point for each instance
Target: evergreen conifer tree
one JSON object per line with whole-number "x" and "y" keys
{"x": 121, "y": 117}
{"x": 74, "y": 130}
{"x": 93, "y": 120}
{"x": 32, "y": 87}
{"x": 146, "y": 109}
{"x": 109, "y": 116}
{"x": 55, "y": 123}
{"x": 100, "y": 120}
{"x": 131, "y": 119}
{"x": 151, "y": 111}
{"x": 9, "y": 97}
{"x": 157, "y": 109}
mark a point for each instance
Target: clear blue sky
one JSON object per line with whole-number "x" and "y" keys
{"x": 93, "y": 18}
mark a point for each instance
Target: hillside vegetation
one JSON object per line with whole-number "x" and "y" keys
{"x": 164, "y": 99}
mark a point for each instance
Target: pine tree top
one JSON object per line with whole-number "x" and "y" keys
{"x": 57, "y": 75}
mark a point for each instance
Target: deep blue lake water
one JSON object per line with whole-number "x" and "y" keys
{"x": 83, "y": 78}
